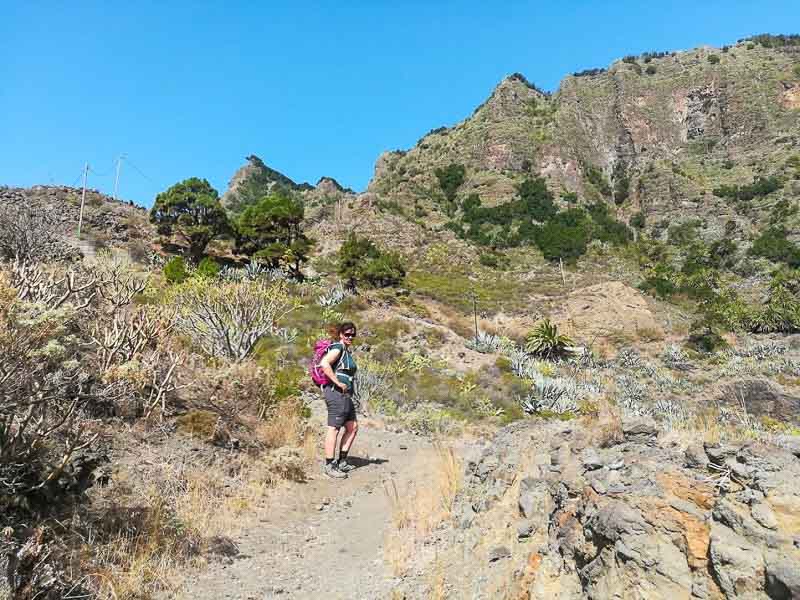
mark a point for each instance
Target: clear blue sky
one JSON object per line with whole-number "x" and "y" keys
{"x": 191, "y": 88}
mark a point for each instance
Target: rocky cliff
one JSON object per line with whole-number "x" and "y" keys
{"x": 620, "y": 510}
{"x": 655, "y": 133}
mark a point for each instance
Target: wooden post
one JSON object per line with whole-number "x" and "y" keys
{"x": 475, "y": 313}
{"x": 83, "y": 198}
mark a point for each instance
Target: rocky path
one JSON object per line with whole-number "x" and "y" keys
{"x": 323, "y": 538}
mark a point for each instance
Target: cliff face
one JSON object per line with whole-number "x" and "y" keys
{"x": 663, "y": 132}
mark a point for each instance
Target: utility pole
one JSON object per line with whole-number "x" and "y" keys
{"x": 83, "y": 198}
{"x": 116, "y": 179}
{"x": 475, "y": 313}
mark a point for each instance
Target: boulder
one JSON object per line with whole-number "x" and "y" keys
{"x": 535, "y": 500}
{"x": 737, "y": 564}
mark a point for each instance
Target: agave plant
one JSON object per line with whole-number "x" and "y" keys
{"x": 333, "y": 296}
{"x": 545, "y": 341}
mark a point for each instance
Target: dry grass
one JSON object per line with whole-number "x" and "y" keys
{"x": 418, "y": 507}
{"x": 185, "y": 514}
{"x": 284, "y": 425}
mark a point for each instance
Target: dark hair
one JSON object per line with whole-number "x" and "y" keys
{"x": 338, "y": 329}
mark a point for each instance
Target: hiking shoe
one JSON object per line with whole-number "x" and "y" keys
{"x": 344, "y": 466}
{"x": 332, "y": 471}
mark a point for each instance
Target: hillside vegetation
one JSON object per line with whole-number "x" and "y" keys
{"x": 606, "y": 277}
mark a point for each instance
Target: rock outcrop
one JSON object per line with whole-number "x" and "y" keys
{"x": 582, "y": 514}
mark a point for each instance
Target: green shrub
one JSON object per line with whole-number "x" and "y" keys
{"x": 359, "y": 259}
{"x": 796, "y": 70}
{"x": 546, "y": 342}
{"x": 723, "y": 253}
{"x": 596, "y": 178}
{"x": 707, "y": 341}
{"x": 556, "y": 240}
{"x": 570, "y": 197}
{"x": 209, "y": 268}
{"x": 660, "y": 281}
{"x": 713, "y": 59}
{"x": 606, "y": 228}
{"x": 683, "y": 234}
{"x": 781, "y": 312}
{"x": 175, "y": 270}
{"x": 621, "y": 182}
{"x": 534, "y": 200}
{"x": 774, "y": 245}
{"x": 489, "y": 259}
{"x": 503, "y": 364}
{"x": 761, "y": 186}
{"x": 768, "y": 40}
{"x": 650, "y": 70}
{"x": 384, "y": 270}
{"x": 637, "y": 220}
{"x": 450, "y": 179}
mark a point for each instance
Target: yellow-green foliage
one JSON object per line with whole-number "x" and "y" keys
{"x": 455, "y": 289}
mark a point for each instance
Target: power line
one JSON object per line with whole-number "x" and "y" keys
{"x": 138, "y": 170}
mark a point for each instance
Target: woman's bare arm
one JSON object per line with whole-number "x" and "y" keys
{"x": 325, "y": 365}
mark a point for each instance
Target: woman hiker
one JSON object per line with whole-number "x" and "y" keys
{"x": 339, "y": 366}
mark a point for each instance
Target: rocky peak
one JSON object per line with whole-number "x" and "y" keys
{"x": 328, "y": 185}
{"x": 253, "y": 180}
{"x": 511, "y": 98}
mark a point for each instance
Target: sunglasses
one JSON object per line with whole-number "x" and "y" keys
{"x": 349, "y": 334}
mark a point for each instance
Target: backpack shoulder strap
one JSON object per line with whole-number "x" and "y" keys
{"x": 340, "y": 347}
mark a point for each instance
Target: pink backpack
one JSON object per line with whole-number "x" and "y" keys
{"x": 317, "y": 374}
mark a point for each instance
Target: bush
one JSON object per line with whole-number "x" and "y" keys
{"x": 450, "y": 179}
{"x": 361, "y": 260}
{"x": 28, "y": 233}
{"x": 650, "y": 70}
{"x": 545, "y": 341}
{"x": 768, "y": 40}
{"x": 175, "y": 270}
{"x": 596, "y": 178}
{"x": 683, "y": 234}
{"x": 228, "y": 319}
{"x": 208, "y": 268}
{"x": 761, "y": 186}
{"x": 589, "y": 72}
{"x": 534, "y": 200}
{"x": 707, "y": 341}
{"x": 46, "y": 448}
{"x": 713, "y": 59}
{"x": 660, "y": 281}
{"x": 774, "y": 245}
{"x": 621, "y": 182}
{"x": 570, "y": 197}
{"x": 556, "y": 240}
{"x": 489, "y": 259}
{"x": 638, "y": 220}
{"x": 384, "y": 270}
{"x": 781, "y": 312}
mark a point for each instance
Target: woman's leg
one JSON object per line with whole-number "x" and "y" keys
{"x": 350, "y": 430}
{"x": 330, "y": 442}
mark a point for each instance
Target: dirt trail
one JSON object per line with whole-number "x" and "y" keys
{"x": 323, "y": 538}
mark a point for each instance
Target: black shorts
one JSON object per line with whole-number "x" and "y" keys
{"x": 340, "y": 406}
